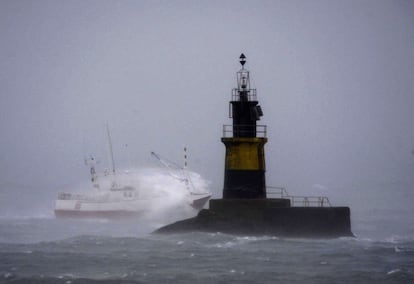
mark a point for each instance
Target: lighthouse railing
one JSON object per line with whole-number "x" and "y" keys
{"x": 228, "y": 130}
{"x": 298, "y": 201}
{"x": 251, "y": 95}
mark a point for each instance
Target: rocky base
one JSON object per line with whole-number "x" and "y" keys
{"x": 267, "y": 217}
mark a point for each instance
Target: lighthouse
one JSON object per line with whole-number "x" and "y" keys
{"x": 244, "y": 175}
{"x": 245, "y": 207}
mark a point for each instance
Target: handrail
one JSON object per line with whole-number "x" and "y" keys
{"x": 81, "y": 197}
{"x": 228, "y": 130}
{"x": 304, "y": 201}
{"x": 251, "y": 95}
{"x": 277, "y": 190}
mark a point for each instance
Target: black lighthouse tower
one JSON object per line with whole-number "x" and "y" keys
{"x": 245, "y": 208}
{"x": 244, "y": 176}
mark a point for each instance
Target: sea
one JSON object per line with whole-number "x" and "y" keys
{"x": 43, "y": 249}
{"x": 36, "y": 247}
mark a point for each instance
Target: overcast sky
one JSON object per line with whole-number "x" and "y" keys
{"x": 334, "y": 79}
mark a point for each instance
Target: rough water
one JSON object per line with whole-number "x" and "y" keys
{"x": 49, "y": 250}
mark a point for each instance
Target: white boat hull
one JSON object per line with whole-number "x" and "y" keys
{"x": 73, "y": 208}
{"x": 88, "y": 209}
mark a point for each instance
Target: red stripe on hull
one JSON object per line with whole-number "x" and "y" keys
{"x": 120, "y": 214}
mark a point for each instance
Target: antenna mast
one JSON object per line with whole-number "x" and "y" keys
{"x": 110, "y": 149}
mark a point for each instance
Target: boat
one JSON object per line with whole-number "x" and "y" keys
{"x": 111, "y": 198}
{"x": 120, "y": 195}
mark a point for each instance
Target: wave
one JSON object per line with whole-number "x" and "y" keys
{"x": 167, "y": 188}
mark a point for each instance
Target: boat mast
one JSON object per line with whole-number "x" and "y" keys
{"x": 110, "y": 149}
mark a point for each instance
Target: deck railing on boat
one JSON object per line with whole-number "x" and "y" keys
{"x": 81, "y": 197}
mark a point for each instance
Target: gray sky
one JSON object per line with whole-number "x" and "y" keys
{"x": 334, "y": 79}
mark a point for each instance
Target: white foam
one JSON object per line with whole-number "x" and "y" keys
{"x": 393, "y": 271}
{"x": 166, "y": 191}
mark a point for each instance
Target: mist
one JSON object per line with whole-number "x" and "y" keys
{"x": 334, "y": 79}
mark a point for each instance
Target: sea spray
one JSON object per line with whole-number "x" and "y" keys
{"x": 172, "y": 193}
{"x": 167, "y": 191}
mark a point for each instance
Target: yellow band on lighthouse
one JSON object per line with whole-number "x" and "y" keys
{"x": 244, "y": 153}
